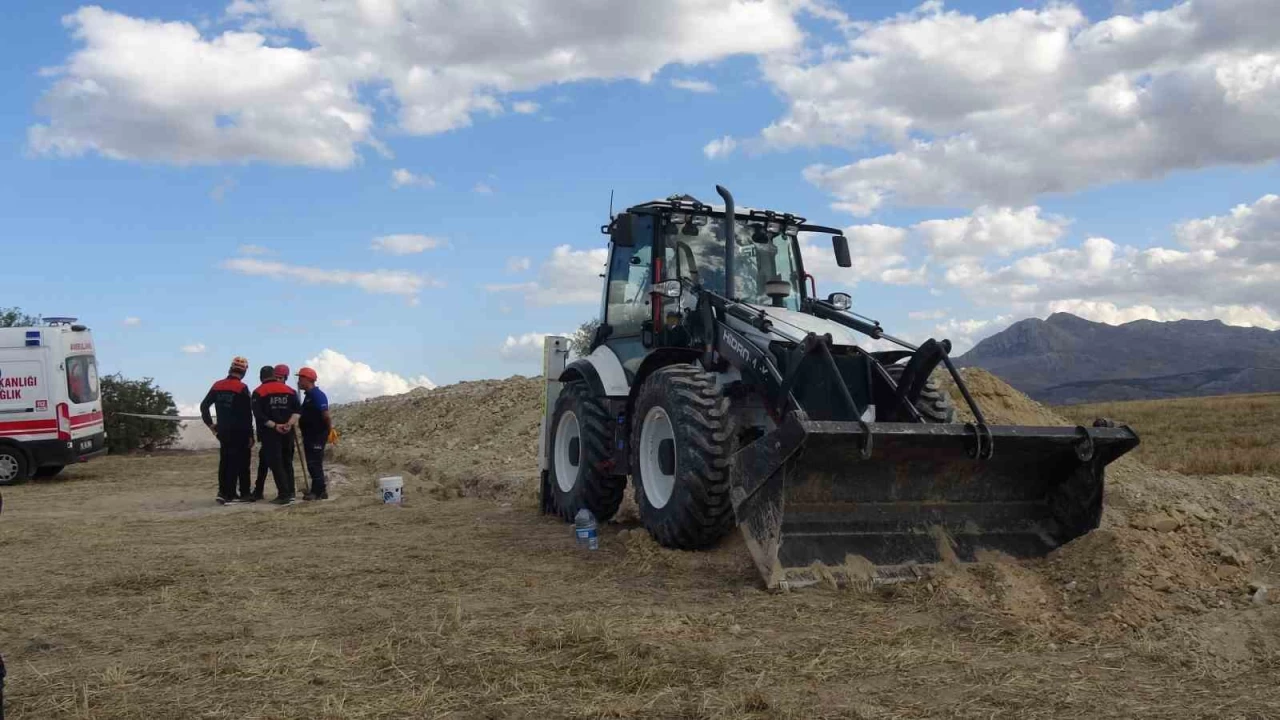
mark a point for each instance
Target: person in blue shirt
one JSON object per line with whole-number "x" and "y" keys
{"x": 315, "y": 424}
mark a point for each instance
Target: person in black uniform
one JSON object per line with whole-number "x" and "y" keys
{"x": 315, "y": 425}
{"x": 276, "y": 409}
{"x": 234, "y": 430}
{"x": 265, "y": 375}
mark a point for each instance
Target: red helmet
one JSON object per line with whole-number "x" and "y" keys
{"x": 281, "y": 371}
{"x": 307, "y": 373}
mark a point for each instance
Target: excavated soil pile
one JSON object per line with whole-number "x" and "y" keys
{"x": 1000, "y": 403}
{"x": 473, "y": 439}
{"x": 1181, "y": 560}
{"x": 1187, "y": 561}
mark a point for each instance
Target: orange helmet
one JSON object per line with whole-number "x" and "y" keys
{"x": 307, "y": 373}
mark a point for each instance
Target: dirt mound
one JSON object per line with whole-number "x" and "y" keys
{"x": 1179, "y": 560}
{"x": 999, "y": 402}
{"x": 474, "y": 439}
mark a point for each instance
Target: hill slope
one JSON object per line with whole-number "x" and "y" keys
{"x": 1067, "y": 359}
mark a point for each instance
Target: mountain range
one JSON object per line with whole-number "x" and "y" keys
{"x": 1066, "y": 359}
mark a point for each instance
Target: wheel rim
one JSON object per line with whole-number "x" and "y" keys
{"x": 8, "y": 468}
{"x": 657, "y": 457}
{"x": 568, "y": 451}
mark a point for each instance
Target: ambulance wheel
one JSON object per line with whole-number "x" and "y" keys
{"x": 47, "y": 471}
{"x": 578, "y": 447}
{"x": 13, "y": 465}
{"x": 681, "y": 442}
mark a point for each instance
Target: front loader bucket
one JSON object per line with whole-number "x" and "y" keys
{"x": 809, "y": 502}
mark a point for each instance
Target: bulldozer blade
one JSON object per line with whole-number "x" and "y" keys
{"x": 812, "y": 495}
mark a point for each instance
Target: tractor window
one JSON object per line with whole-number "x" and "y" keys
{"x": 628, "y": 303}
{"x": 701, "y": 256}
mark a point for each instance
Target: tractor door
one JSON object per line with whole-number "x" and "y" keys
{"x": 628, "y": 300}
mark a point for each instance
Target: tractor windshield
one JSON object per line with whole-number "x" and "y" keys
{"x": 699, "y": 257}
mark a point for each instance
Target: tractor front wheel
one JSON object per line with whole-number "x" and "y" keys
{"x": 681, "y": 442}
{"x": 579, "y": 447}
{"x": 935, "y": 404}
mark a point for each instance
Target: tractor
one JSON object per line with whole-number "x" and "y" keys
{"x": 731, "y": 394}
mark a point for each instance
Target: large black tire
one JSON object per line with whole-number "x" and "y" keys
{"x": 590, "y": 485}
{"x": 13, "y": 465}
{"x": 935, "y": 404}
{"x": 47, "y": 471}
{"x": 697, "y": 512}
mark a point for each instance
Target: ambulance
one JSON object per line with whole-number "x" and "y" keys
{"x": 50, "y": 410}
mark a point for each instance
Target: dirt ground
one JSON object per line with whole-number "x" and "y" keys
{"x": 125, "y": 592}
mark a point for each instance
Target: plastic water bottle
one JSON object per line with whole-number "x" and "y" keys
{"x": 584, "y": 527}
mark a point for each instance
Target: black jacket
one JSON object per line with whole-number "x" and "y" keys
{"x": 235, "y": 409}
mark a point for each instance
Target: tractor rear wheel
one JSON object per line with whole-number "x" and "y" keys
{"x": 935, "y": 404}
{"x": 681, "y": 442}
{"x": 579, "y": 447}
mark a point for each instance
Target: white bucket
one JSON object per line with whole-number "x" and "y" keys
{"x": 392, "y": 489}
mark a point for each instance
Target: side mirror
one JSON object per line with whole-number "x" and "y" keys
{"x": 668, "y": 288}
{"x": 840, "y": 244}
{"x": 620, "y": 231}
{"x": 840, "y": 301}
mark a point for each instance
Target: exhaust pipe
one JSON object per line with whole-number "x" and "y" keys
{"x": 730, "y": 242}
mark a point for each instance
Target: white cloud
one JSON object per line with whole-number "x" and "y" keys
{"x": 403, "y": 177}
{"x": 405, "y": 244}
{"x": 525, "y": 107}
{"x": 568, "y": 277}
{"x": 132, "y": 321}
{"x": 964, "y": 334}
{"x": 878, "y": 253}
{"x": 1004, "y": 231}
{"x": 193, "y": 348}
{"x": 696, "y": 86}
{"x": 253, "y": 250}
{"x": 518, "y": 264}
{"x": 147, "y": 90}
{"x": 394, "y": 282}
{"x": 283, "y": 83}
{"x": 927, "y": 314}
{"x": 720, "y": 147}
{"x": 346, "y": 380}
{"x": 343, "y": 322}
{"x": 483, "y": 188}
{"x": 1000, "y": 109}
{"x": 525, "y": 348}
{"x": 1226, "y": 267}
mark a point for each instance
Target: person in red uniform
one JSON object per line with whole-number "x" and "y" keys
{"x": 276, "y": 408}
{"x": 234, "y": 430}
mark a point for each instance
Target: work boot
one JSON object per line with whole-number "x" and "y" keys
{"x": 221, "y": 500}
{"x": 308, "y": 497}
{"x": 324, "y": 494}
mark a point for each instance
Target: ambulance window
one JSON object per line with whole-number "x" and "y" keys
{"x": 82, "y": 379}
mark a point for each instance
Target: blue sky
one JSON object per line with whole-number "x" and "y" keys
{"x": 110, "y": 223}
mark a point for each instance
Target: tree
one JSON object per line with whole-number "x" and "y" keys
{"x": 126, "y": 434}
{"x": 580, "y": 341}
{"x": 14, "y": 317}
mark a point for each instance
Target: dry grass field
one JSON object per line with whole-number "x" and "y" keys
{"x": 1228, "y": 434}
{"x": 127, "y": 593}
